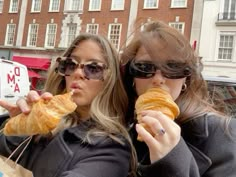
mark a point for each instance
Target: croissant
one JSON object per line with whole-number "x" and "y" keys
{"x": 156, "y": 99}
{"x": 43, "y": 117}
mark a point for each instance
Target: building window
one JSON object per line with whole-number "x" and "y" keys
{"x": 13, "y": 6}
{"x": 74, "y": 5}
{"x": 36, "y": 6}
{"x": 51, "y": 35}
{"x": 114, "y": 34}
{"x": 92, "y": 28}
{"x": 54, "y": 6}
{"x": 117, "y": 5}
{"x": 32, "y": 35}
{"x": 9, "y": 40}
{"x": 178, "y": 25}
{"x": 1, "y": 6}
{"x": 149, "y": 4}
{"x": 178, "y": 3}
{"x": 94, "y": 5}
{"x": 226, "y": 46}
{"x": 229, "y": 11}
{"x": 72, "y": 28}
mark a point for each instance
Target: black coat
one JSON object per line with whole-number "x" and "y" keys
{"x": 67, "y": 156}
{"x": 205, "y": 150}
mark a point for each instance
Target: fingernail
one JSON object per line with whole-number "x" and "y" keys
{"x": 143, "y": 113}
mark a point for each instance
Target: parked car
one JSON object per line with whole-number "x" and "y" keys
{"x": 223, "y": 92}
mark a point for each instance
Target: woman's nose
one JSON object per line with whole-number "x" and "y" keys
{"x": 78, "y": 73}
{"x": 158, "y": 78}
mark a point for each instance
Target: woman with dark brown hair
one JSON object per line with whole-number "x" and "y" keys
{"x": 201, "y": 141}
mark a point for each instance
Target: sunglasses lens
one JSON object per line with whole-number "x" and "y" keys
{"x": 94, "y": 70}
{"x": 66, "y": 67}
{"x": 174, "y": 70}
{"x": 142, "y": 69}
{"x": 170, "y": 70}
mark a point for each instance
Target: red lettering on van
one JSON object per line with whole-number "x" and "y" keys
{"x": 17, "y": 89}
{"x": 17, "y": 71}
{"x": 11, "y": 78}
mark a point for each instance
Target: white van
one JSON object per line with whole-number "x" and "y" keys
{"x": 14, "y": 82}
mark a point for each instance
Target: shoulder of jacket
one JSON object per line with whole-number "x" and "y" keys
{"x": 202, "y": 126}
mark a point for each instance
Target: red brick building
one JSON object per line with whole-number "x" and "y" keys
{"x": 34, "y": 32}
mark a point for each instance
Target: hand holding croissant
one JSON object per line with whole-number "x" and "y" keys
{"x": 156, "y": 99}
{"x": 44, "y": 116}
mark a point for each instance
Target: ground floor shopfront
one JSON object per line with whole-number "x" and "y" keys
{"x": 37, "y": 69}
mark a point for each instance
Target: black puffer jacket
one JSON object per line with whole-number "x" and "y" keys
{"x": 66, "y": 155}
{"x": 208, "y": 149}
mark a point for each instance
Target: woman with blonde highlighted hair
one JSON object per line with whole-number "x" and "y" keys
{"x": 92, "y": 140}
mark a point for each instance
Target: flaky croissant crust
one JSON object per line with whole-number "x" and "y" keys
{"x": 44, "y": 116}
{"x": 156, "y": 99}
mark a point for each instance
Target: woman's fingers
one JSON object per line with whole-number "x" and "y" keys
{"x": 144, "y": 134}
{"x": 33, "y": 96}
{"x": 166, "y": 122}
{"x": 46, "y": 96}
{"x": 12, "y": 109}
{"x": 156, "y": 148}
{"x": 162, "y": 136}
{"x": 25, "y": 103}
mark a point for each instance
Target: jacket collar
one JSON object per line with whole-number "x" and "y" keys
{"x": 80, "y": 133}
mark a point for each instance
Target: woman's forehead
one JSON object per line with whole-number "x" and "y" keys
{"x": 88, "y": 49}
{"x": 162, "y": 51}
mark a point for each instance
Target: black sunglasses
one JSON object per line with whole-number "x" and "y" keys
{"x": 170, "y": 70}
{"x": 92, "y": 69}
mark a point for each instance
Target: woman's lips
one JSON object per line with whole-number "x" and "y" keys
{"x": 75, "y": 87}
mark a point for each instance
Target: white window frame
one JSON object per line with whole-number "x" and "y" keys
{"x": 146, "y": 4}
{"x": 113, "y": 37}
{"x": 36, "y": 5}
{"x": 70, "y": 5}
{"x": 71, "y": 37}
{"x": 233, "y": 55}
{"x": 174, "y": 5}
{"x": 228, "y": 12}
{"x": 1, "y": 5}
{"x": 13, "y": 8}
{"x": 92, "y": 28}
{"x": 95, "y": 5}
{"x": 54, "y": 6}
{"x": 10, "y": 34}
{"x": 50, "y": 35}
{"x": 176, "y": 26}
{"x": 32, "y": 35}
{"x": 117, "y": 4}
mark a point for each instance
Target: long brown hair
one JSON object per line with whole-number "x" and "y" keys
{"x": 163, "y": 42}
